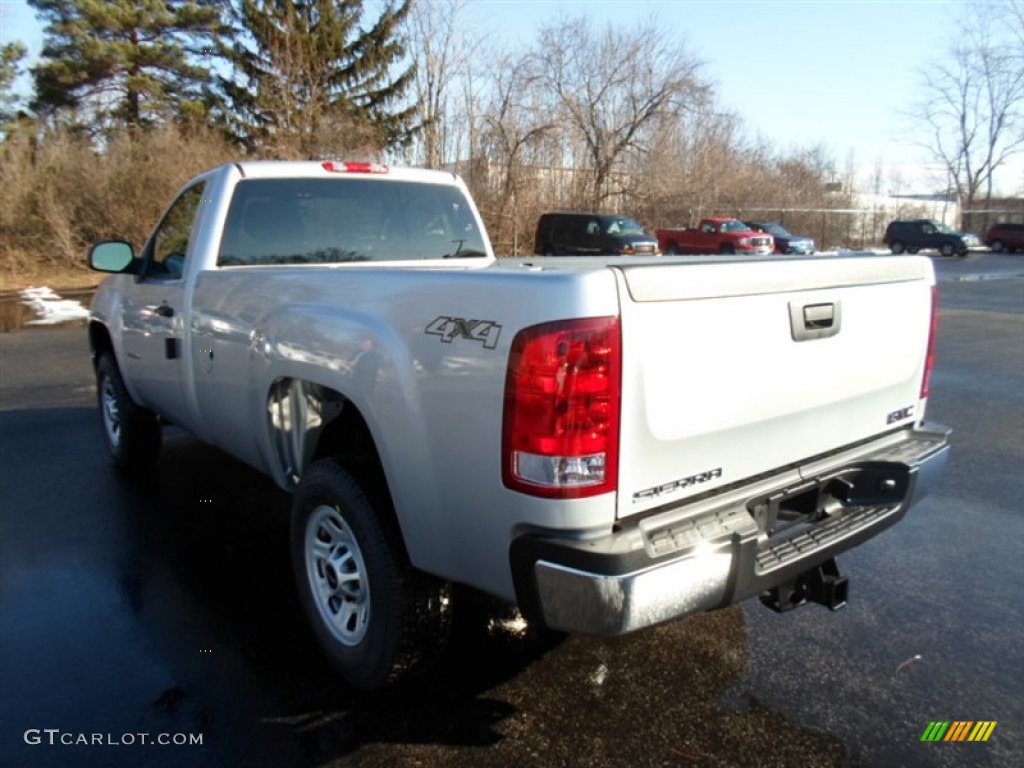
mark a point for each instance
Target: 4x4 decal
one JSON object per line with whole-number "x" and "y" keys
{"x": 449, "y": 328}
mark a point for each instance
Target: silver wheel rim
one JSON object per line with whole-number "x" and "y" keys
{"x": 111, "y": 412}
{"x": 337, "y": 575}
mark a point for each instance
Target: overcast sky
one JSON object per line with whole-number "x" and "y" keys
{"x": 839, "y": 73}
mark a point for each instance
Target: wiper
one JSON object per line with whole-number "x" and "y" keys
{"x": 460, "y": 254}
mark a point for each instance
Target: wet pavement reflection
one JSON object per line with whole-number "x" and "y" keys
{"x": 165, "y": 604}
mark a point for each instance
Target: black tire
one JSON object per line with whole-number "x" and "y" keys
{"x": 376, "y": 618}
{"x": 727, "y": 249}
{"x": 997, "y": 246}
{"x": 947, "y": 249}
{"x": 673, "y": 250}
{"x": 897, "y": 247}
{"x": 132, "y": 433}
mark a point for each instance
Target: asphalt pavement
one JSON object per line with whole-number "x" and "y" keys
{"x": 164, "y": 606}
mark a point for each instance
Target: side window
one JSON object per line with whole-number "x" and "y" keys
{"x": 169, "y": 244}
{"x": 928, "y": 229}
{"x": 593, "y": 228}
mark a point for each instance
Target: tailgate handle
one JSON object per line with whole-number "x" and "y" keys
{"x": 814, "y": 321}
{"x": 819, "y": 316}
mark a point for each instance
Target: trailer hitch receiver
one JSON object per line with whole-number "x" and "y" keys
{"x": 821, "y": 584}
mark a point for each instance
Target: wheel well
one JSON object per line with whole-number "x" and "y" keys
{"x": 347, "y": 436}
{"x": 99, "y": 341}
{"x": 309, "y": 422}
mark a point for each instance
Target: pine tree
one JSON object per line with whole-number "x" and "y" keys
{"x": 309, "y": 80}
{"x": 11, "y": 56}
{"x": 126, "y": 62}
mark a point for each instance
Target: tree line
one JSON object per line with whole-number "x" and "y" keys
{"x": 138, "y": 95}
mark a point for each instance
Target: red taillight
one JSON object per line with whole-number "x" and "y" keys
{"x": 929, "y": 361}
{"x": 338, "y": 167}
{"x": 560, "y": 436}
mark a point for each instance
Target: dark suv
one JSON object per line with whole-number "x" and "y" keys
{"x": 1005, "y": 237}
{"x": 921, "y": 234}
{"x": 579, "y": 234}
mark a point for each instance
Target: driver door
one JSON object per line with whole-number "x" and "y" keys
{"x": 153, "y": 319}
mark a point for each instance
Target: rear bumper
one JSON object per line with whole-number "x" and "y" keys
{"x": 725, "y": 548}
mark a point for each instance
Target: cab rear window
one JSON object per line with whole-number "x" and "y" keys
{"x": 330, "y": 221}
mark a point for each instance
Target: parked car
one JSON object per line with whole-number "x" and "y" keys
{"x": 785, "y": 241}
{"x": 718, "y": 234}
{"x": 923, "y": 234}
{"x": 1005, "y": 237}
{"x": 591, "y": 234}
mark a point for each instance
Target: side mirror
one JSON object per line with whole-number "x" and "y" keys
{"x": 112, "y": 256}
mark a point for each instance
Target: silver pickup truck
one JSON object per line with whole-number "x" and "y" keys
{"x": 606, "y": 443}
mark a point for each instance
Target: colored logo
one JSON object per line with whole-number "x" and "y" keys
{"x": 958, "y": 730}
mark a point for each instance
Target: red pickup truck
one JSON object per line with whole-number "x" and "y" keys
{"x": 715, "y": 235}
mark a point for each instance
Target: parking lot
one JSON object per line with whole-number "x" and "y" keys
{"x": 164, "y": 606}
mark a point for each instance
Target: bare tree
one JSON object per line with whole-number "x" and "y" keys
{"x": 442, "y": 52}
{"x": 515, "y": 120}
{"x": 612, "y": 85}
{"x": 973, "y": 107}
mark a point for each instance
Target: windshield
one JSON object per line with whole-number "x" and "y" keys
{"x": 734, "y": 225}
{"x": 777, "y": 229}
{"x": 622, "y": 225}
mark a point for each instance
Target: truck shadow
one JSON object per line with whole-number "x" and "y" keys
{"x": 514, "y": 694}
{"x": 189, "y": 566}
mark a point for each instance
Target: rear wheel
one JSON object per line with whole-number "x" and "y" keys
{"x": 897, "y": 246}
{"x": 376, "y": 618}
{"x": 132, "y": 433}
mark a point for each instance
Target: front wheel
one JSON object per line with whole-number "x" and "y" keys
{"x": 997, "y": 246}
{"x": 132, "y": 433}
{"x": 376, "y": 618}
{"x": 946, "y": 249}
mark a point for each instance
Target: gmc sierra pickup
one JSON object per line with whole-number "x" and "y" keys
{"x": 608, "y": 443}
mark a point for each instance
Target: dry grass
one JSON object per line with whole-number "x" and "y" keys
{"x": 58, "y": 195}
{"x": 54, "y": 277}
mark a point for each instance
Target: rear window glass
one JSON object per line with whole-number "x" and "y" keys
{"x": 329, "y": 221}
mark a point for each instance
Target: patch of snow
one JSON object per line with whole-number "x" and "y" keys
{"x": 844, "y": 251}
{"x": 51, "y": 308}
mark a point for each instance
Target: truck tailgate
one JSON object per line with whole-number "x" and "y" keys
{"x": 735, "y": 368}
